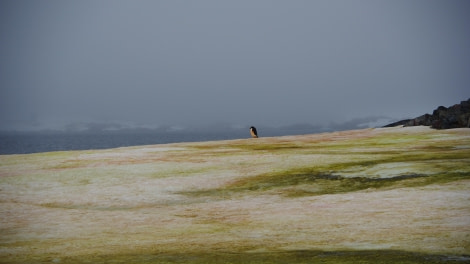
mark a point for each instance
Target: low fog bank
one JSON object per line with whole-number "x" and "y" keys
{"x": 85, "y": 136}
{"x": 214, "y": 128}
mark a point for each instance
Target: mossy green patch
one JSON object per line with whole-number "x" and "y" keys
{"x": 303, "y": 184}
{"x": 327, "y": 179}
{"x": 253, "y": 146}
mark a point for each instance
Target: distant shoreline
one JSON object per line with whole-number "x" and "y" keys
{"x": 27, "y": 142}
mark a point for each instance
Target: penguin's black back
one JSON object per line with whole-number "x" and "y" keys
{"x": 254, "y": 130}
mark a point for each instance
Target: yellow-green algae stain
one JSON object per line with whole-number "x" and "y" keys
{"x": 156, "y": 206}
{"x": 443, "y": 164}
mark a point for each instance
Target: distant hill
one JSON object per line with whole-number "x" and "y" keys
{"x": 454, "y": 116}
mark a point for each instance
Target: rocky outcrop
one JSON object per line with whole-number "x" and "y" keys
{"x": 442, "y": 118}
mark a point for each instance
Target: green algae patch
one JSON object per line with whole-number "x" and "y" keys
{"x": 319, "y": 184}
{"x": 327, "y": 180}
{"x": 306, "y": 184}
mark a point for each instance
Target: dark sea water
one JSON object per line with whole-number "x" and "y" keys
{"x": 22, "y": 143}
{"x": 96, "y": 138}
{"x": 34, "y": 142}
{"x": 47, "y": 141}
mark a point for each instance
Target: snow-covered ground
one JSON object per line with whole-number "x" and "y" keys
{"x": 411, "y": 193}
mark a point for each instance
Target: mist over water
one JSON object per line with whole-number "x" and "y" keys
{"x": 33, "y": 142}
{"x": 105, "y": 136}
{"x": 272, "y": 63}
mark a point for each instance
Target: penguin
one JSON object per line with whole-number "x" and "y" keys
{"x": 253, "y": 132}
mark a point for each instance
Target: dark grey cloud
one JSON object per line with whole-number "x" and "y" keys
{"x": 272, "y": 63}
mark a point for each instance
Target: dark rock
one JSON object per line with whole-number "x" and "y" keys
{"x": 442, "y": 118}
{"x": 399, "y": 123}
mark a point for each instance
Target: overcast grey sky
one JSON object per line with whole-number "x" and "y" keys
{"x": 237, "y": 62}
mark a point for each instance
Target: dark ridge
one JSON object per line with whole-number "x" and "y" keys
{"x": 443, "y": 117}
